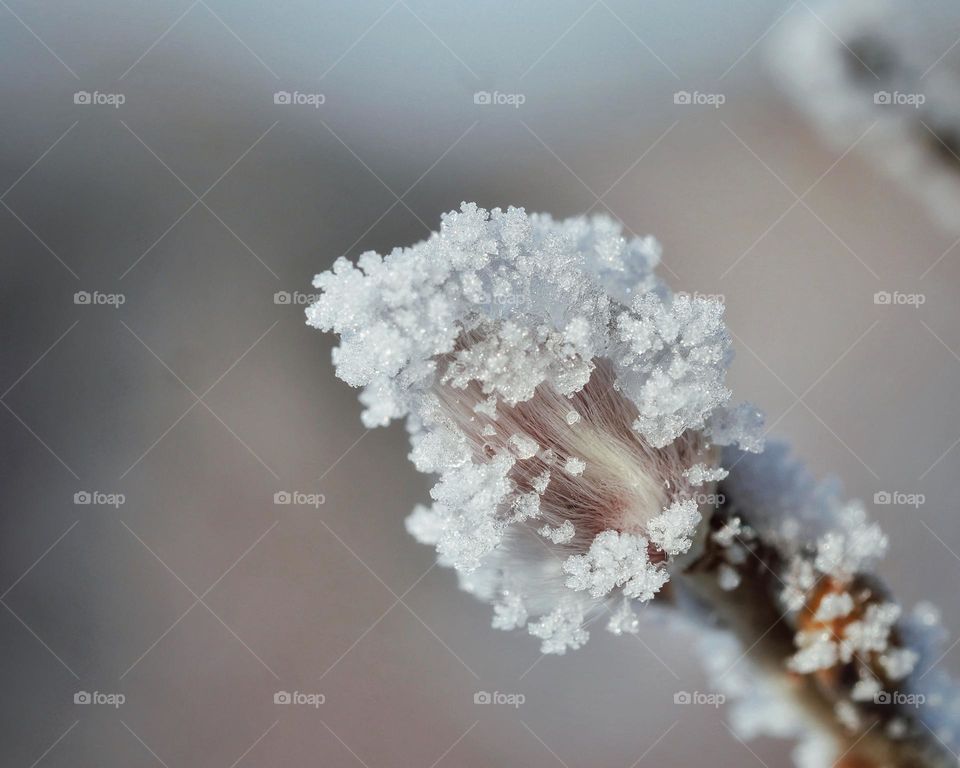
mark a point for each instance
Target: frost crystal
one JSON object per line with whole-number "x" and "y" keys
{"x": 523, "y": 447}
{"x": 673, "y": 530}
{"x": 727, "y": 577}
{"x": 835, "y": 605}
{"x": 699, "y": 474}
{"x": 562, "y": 628}
{"x": 510, "y": 612}
{"x": 545, "y": 373}
{"x": 561, "y": 535}
{"x": 623, "y": 620}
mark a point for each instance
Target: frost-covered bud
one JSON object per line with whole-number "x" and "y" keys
{"x": 568, "y": 403}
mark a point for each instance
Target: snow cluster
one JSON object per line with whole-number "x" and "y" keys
{"x": 540, "y": 363}
{"x": 788, "y": 510}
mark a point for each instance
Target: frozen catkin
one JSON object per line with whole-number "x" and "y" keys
{"x": 588, "y": 461}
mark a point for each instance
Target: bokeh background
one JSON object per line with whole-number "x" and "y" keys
{"x": 198, "y": 199}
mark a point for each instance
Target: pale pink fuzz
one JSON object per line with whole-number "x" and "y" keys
{"x": 625, "y": 482}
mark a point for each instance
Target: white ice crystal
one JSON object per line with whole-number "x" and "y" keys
{"x": 523, "y": 447}
{"x": 509, "y": 612}
{"x": 562, "y": 628}
{"x": 727, "y": 577}
{"x": 623, "y": 620}
{"x": 540, "y": 366}
{"x": 615, "y": 560}
{"x": 870, "y": 633}
{"x": 853, "y": 546}
{"x": 559, "y": 535}
{"x": 835, "y": 605}
{"x": 672, "y": 531}
{"x": 699, "y": 474}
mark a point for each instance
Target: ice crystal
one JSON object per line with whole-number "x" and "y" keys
{"x": 871, "y": 632}
{"x": 545, "y": 373}
{"x": 673, "y": 530}
{"x": 623, "y": 620}
{"x": 899, "y": 663}
{"x": 509, "y": 612}
{"x": 699, "y": 474}
{"x": 562, "y": 628}
{"x": 835, "y": 605}
{"x": 615, "y": 560}
{"x": 729, "y": 532}
{"x": 559, "y": 535}
{"x": 727, "y": 577}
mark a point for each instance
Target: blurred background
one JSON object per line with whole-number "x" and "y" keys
{"x": 172, "y": 175}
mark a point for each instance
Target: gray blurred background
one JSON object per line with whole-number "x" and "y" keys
{"x": 203, "y": 394}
